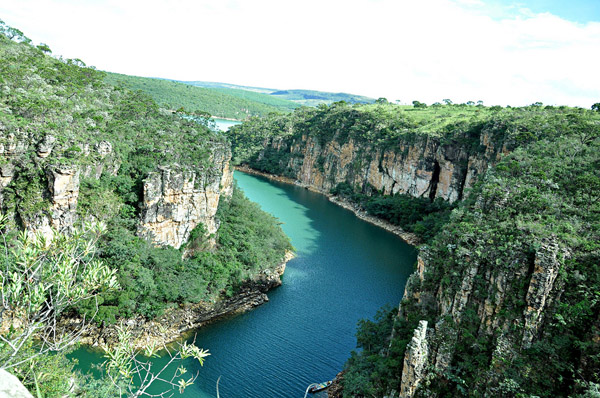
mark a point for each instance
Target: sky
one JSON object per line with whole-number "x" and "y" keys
{"x": 500, "y": 52}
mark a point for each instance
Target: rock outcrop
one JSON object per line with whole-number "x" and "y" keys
{"x": 517, "y": 330}
{"x": 420, "y": 167}
{"x": 11, "y": 387}
{"x": 177, "y": 200}
{"x": 415, "y": 361}
{"x": 57, "y": 190}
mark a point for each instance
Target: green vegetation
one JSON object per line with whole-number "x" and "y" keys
{"x": 420, "y": 216}
{"x": 220, "y": 102}
{"x": 374, "y": 368}
{"x": 387, "y": 127}
{"x": 544, "y": 193}
{"x": 297, "y": 97}
{"x": 85, "y": 111}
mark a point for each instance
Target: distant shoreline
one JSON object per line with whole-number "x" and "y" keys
{"x": 227, "y": 118}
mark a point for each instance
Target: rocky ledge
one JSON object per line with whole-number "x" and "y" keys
{"x": 176, "y": 321}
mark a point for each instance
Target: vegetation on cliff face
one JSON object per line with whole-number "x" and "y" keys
{"x": 154, "y": 278}
{"x": 509, "y": 286}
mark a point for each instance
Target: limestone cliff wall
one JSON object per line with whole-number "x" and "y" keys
{"x": 177, "y": 200}
{"x": 420, "y": 166}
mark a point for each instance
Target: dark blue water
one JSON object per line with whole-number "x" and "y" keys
{"x": 345, "y": 270}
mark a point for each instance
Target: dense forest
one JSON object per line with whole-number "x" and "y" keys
{"x": 61, "y": 121}
{"x": 508, "y": 275}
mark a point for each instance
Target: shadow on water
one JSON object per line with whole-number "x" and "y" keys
{"x": 345, "y": 270}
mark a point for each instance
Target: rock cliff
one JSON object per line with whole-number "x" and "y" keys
{"x": 177, "y": 200}
{"x": 419, "y": 166}
{"x": 482, "y": 301}
{"x": 505, "y": 287}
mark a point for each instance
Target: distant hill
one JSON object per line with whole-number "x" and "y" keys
{"x": 300, "y": 97}
{"x": 218, "y": 101}
{"x": 227, "y": 100}
{"x": 313, "y": 98}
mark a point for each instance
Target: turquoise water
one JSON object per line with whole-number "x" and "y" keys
{"x": 345, "y": 270}
{"x": 224, "y": 124}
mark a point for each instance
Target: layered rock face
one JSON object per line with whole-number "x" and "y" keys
{"x": 63, "y": 190}
{"x": 420, "y": 167}
{"x": 176, "y": 200}
{"x": 414, "y": 361}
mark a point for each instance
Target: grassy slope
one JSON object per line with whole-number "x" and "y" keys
{"x": 299, "y": 97}
{"x": 222, "y": 103}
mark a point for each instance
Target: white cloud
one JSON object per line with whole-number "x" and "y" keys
{"x": 425, "y": 50}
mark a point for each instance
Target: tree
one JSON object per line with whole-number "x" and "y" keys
{"x": 447, "y": 101}
{"x": 39, "y": 280}
{"x": 418, "y": 104}
{"x": 596, "y": 107}
{"x": 132, "y": 376}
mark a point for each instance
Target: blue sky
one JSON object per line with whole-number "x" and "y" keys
{"x": 574, "y": 10}
{"x": 500, "y": 52}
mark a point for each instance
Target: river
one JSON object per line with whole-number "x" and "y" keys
{"x": 345, "y": 270}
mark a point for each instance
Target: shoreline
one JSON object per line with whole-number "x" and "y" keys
{"x": 178, "y": 322}
{"x": 227, "y": 118}
{"x": 408, "y": 237}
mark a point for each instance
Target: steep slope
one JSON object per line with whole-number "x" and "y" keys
{"x": 371, "y": 148}
{"x": 61, "y": 125}
{"x": 508, "y": 287}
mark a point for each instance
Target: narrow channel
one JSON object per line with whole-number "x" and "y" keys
{"x": 345, "y": 270}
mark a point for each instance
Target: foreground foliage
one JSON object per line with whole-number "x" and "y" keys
{"x": 39, "y": 281}
{"x": 59, "y": 114}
